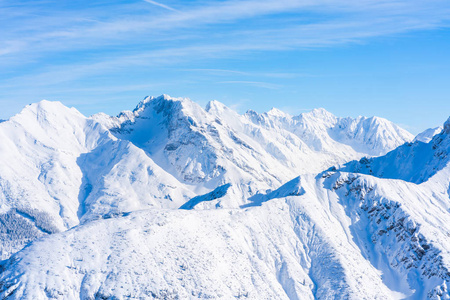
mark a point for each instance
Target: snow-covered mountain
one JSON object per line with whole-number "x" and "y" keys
{"x": 326, "y": 133}
{"x": 59, "y": 167}
{"x": 426, "y": 135}
{"x": 254, "y": 152}
{"x": 336, "y": 235}
{"x": 415, "y": 162}
{"x": 173, "y": 201}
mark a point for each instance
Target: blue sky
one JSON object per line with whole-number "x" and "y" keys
{"x": 384, "y": 58}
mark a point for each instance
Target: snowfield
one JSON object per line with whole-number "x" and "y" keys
{"x": 345, "y": 236}
{"x": 173, "y": 201}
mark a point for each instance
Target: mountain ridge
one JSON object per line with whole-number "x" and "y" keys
{"x": 97, "y": 200}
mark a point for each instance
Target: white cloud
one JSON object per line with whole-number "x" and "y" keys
{"x": 91, "y": 29}
{"x": 160, "y": 5}
{"x": 202, "y": 31}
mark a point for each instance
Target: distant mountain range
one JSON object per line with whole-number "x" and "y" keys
{"x": 175, "y": 201}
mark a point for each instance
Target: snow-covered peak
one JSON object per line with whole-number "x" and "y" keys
{"x": 225, "y": 116}
{"x": 45, "y": 109}
{"x": 317, "y": 120}
{"x": 317, "y": 117}
{"x": 377, "y": 121}
{"x": 415, "y": 162}
{"x": 250, "y": 112}
{"x": 323, "y": 131}
{"x": 277, "y": 117}
{"x": 172, "y": 109}
{"x": 45, "y": 105}
{"x": 160, "y": 102}
{"x": 374, "y": 135}
{"x": 320, "y": 113}
{"x": 428, "y": 134}
{"x": 275, "y": 112}
{"x": 149, "y": 99}
{"x": 215, "y": 106}
{"x": 155, "y": 119}
{"x": 55, "y": 125}
{"x": 274, "y": 118}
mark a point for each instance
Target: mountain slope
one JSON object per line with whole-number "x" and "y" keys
{"x": 427, "y": 135}
{"x": 334, "y": 235}
{"x": 210, "y": 254}
{"x": 39, "y": 177}
{"x": 58, "y": 167}
{"x": 324, "y": 132}
{"x": 414, "y": 162}
{"x": 105, "y": 194}
{"x": 198, "y": 148}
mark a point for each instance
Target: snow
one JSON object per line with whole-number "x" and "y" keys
{"x": 64, "y": 167}
{"x": 171, "y": 200}
{"x": 428, "y": 134}
{"x": 207, "y": 148}
{"x": 414, "y": 162}
{"x": 261, "y": 253}
{"x": 219, "y": 192}
{"x": 344, "y": 235}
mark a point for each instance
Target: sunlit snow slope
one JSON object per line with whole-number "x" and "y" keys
{"x": 58, "y": 167}
{"x": 173, "y": 201}
{"x": 336, "y": 235}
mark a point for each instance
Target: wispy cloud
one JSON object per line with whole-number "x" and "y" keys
{"x": 42, "y": 44}
{"x": 160, "y": 5}
{"x": 88, "y": 29}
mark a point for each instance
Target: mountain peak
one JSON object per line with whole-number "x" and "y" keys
{"x": 151, "y": 100}
{"x": 45, "y": 109}
{"x": 46, "y": 105}
{"x": 379, "y": 120}
{"x": 277, "y": 113}
{"x": 215, "y": 105}
{"x": 428, "y": 134}
{"x": 321, "y": 112}
{"x": 317, "y": 116}
{"x": 171, "y": 108}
